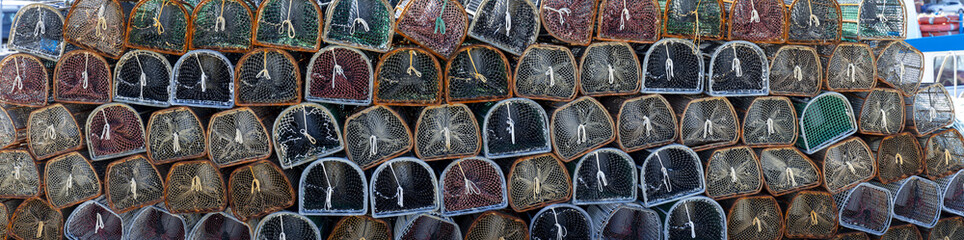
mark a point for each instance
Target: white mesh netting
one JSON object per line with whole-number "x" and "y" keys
{"x": 579, "y": 127}
{"x": 881, "y": 112}
{"x": 445, "y": 132}
{"x": 360, "y": 227}
{"x": 546, "y": 72}
{"x": 739, "y": 68}
{"x": 69, "y": 180}
{"x": 237, "y": 136}
{"x": 408, "y": 77}
{"x": 29, "y": 31}
{"x": 284, "y": 225}
{"x": 645, "y": 122}
{"x": 174, "y": 134}
{"x": 538, "y": 181}
{"x": 19, "y": 177}
{"x": 786, "y": 170}
{"x": 511, "y": 120}
{"x": 36, "y": 219}
{"x": 707, "y": 123}
{"x": 52, "y": 131}
{"x": 898, "y": 157}
{"x": 943, "y": 153}
{"x": 664, "y": 71}
{"x": 195, "y": 187}
{"x": 97, "y": 25}
{"x": 733, "y": 172}
{"x": 426, "y": 226}
{"x": 757, "y": 217}
{"x": 132, "y": 183}
{"x": 497, "y": 225}
{"x": 142, "y": 77}
{"x": 811, "y": 214}
{"x": 509, "y": 25}
{"x": 258, "y": 189}
{"x": 814, "y": 22}
{"x": 851, "y": 67}
{"x": 770, "y": 121}
{"x": 930, "y": 110}
{"x": 796, "y": 71}
{"x": 847, "y": 164}
{"x": 900, "y": 66}
{"x": 267, "y": 77}
{"x": 375, "y": 135}
{"x": 609, "y": 69}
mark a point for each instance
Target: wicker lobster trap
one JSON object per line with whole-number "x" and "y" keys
{"x": 757, "y": 217}
{"x": 19, "y": 176}
{"x": 53, "y": 130}
{"x": 625, "y": 221}
{"x": 481, "y": 78}
{"x": 496, "y": 225}
{"x": 69, "y": 180}
{"x": 342, "y": 191}
{"x": 943, "y": 153}
{"x": 847, "y": 164}
{"x": 917, "y": 200}
{"x": 796, "y": 71}
{"x": 637, "y": 22}
{"x": 29, "y": 34}
{"x": 114, "y": 130}
{"x": 267, "y": 77}
{"x": 561, "y": 220}
{"x": 203, "y": 78}
{"x": 27, "y": 80}
{"x": 298, "y": 227}
{"x": 153, "y": 222}
{"x": 132, "y": 183}
{"x": 481, "y": 188}
{"x": 569, "y": 21}
{"x": 299, "y": 141}
{"x": 609, "y": 69}
{"x": 579, "y": 127}
{"x": 350, "y": 81}
{"x": 426, "y": 226}
{"x": 93, "y": 220}
{"x": 814, "y": 22}
{"x": 707, "y": 122}
{"x": 446, "y": 132}
{"x": 237, "y": 136}
{"x": 787, "y": 170}
{"x": 508, "y": 25}
{"x": 906, "y": 231}
{"x": 851, "y": 68}
{"x": 673, "y": 66}
{"x": 142, "y": 78}
{"x": 757, "y": 21}
{"x": 195, "y": 187}
{"x": 537, "y": 70}
{"x": 159, "y": 25}
{"x": 538, "y": 181}
{"x": 692, "y": 213}
{"x": 881, "y": 111}
{"x": 671, "y": 173}
{"x": 223, "y": 25}
{"x": 360, "y": 227}
{"x": 898, "y": 156}
{"x": 947, "y": 228}
{"x": 873, "y": 19}
{"x": 84, "y": 77}
{"x": 512, "y": 119}
{"x": 408, "y": 77}
{"x": 375, "y": 135}
{"x": 97, "y": 25}
{"x": 220, "y": 225}
{"x": 901, "y": 66}
{"x": 604, "y": 176}
{"x": 931, "y": 109}
{"x": 36, "y": 219}
{"x": 852, "y": 236}
{"x": 738, "y": 68}
{"x": 258, "y": 189}
{"x": 644, "y": 122}
{"x": 824, "y": 120}
{"x": 365, "y": 24}
{"x": 437, "y": 25}
{"x": 388, "y": 191}
{"x": 811, "y": 214}
{"x": 13, "y": 125}
{"x": 694, "y": 19}
{"x": 866, "y": 208}
{"x": 733, "y": 172}
{"x": 276, "y": 25}
{"x": 768, "y": 122}
{"x": 174, "y": 134}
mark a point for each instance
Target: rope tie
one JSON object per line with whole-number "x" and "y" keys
{"x": 600, "y": 175}
{"x": 931, "y": 113}
{"x": 758, "y": 223}
{"x": 689, "y": 222}
{"x": 100, "y": 223}
{"x": 733, "y": 175}
{"x": 754, "y": 15}
{"x": 50, "y": 132}
{"x": 16, "y": 172}
{"x": 883, "y": 119}
{"x": 157, "y": 18}
{"x": 470, "y": 187}
{"x": 737, "y": 66}
{"x": 220, "y": 24}
{"x": 770, "y": 128}
{"x": 255, "y": 185}
{"x": 204, "y": 76}
{"x": 791, "y": 178}
{"x": 18, "y": 81}
{"x": 707, "y": 128}
{"x": 648, "y": 125}
{"x": 561, "y": 231}
{"x": 411, "y": 65}
{"x": 662, "y": 168}
{"x": 196, "y": 184}
{"x": 537, "y": 189}
{"x": 883, "y": 9}
{"x": 561, "y": 12}
{"x": 175, "y": 139}
{"x": 947, "y": 157}
{"x": 143, "y": 77}
{"x": 798, "y": 73}
{"x": 508, "y": 19}
{"x": 354, "y": 12}
{"x": 552, "y": 76}
{"x": 477, "y": 75}
{"x": 40, "y": 28}
{"x": 304, "y": 131}
{"x": 899, "y": 159}
{"x": 336, "y": 70}
{"x": 133, "y": 186}
{"x": 669, "y": 67}
{"x": 282, "y": 235}
{"x": 105, "y": 133}
{"x": 814, "y": 220}
{"x": 448, "y": 138}
{"x": 329, "y": 190}
{"x": 238, "y": 136}
{"x": 264, "y": 68}
{"x": 86, "y": 67}
{"x": 581, "y": 136}
{"x": 70, "y": 183}
{"x": 813, "y": 21}
{"x": 286, "y": 26}
{"x": 439, "y": 22}
{"x": 40, "y": 229}
{"x": 850, "y": 167}
{"x": 399, "y": 192}
{"x": 101, "y": 22}
{"x": 624, "y": 16}
{"x": 510, "y": 122}
{"x": 612, "y": 78}
{"x": 903, "y": 70}
{"x": 373, "y": 142}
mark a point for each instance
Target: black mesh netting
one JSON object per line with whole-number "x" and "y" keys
{"x": 497, "y": 225}
{"x": 866, "y": 208}
{"x": 511, "y": 119}
{"x": 159, "y": 25}
{"x": 472, "y": 185}
{"x": 477, "y": 73}
{"x": 930, "y": 110}
{"x": 906, "y": 231}
{"x": 708, "y": 122}
{"x": 645, "y": 122}
{"x": 203, "y": 78}
{"x": 360, "y": 227}
{"x": 304, "y": 133}
{"x": 437, "y": 25}
{"x": 97, "y": 25}
{"x": 142, "y": 77}
{"x": 284, "y": 225}
{"x": 52, "y": 131}
{"x": 25, "y": 81}
{"x": 375, "y": 135}
{"x": 638, "y": 22}
{"x": 796, "y": 71}
{"x": 258, "y": 189}
{"x": 847, "y": 164}
{"x": 195, "y": 187}
{"x": 761, "y": 21}
{"x": 673, "y": 65}
{"x": 29, "y": 31}
{"x": 898, "y": 157}
{"x": 509, "y": 25}
{"x": 36, "y": 219}
{"x": 538, "y": 181}
{"x": 733, "y": 172}
{"x": 408, "y": 76}
{"x": 174, "y": 134}
{"x": 333, "y": 187}
{"x": 132, "y": 183}
{"x": 82, "y": 76}
{"x": 881, "y": 112}
{"x": 339, "y": 75}
{"x": 426, "y": 226}
{"x": 695, "y": 218}
{"x": 237, "y": 136}
{"x": 114, "y": 130}
{"x": 952, "y": 192}
{"x": 290, "y": 24}
{"x": 569, "y": 21}
{"x": 625, "y": 221}
{"x": 603, "y": 176}
{"x": 770, "y": 121}
{"x": 851, "y": 68}
{"x": 70, "y": 179}
{"x": 561, "y": 221}
{"x": 609, "y": 69}
{"x": 446, "y": 132}
{"x": 579, "y": 127}
{"x": 755, "y": 218}
{"x": 918, "y": 201}
{"x": 811, "y": 214}
{"x": 546, "y": 72}
{"x": 365, "y": 24}
{"x": 669, "y": 174}
{"x": 948, "y": 228}
{"x": 787, "y": 170}
{"x": 694, "y": 19}
{"x": 943, "y": 153}
{"x": 19, "y": 177}
{"x": 403, "y": 186}
{"x": 155, "y": 223}
{"x": 92, "y": 220}
{"x": 224, "y": 25}
{"x": 268, "y": 77}
{"x": 738, "y": 68}
{"x": 814, "y": 22}
{"x": 220, "y": 225}
{"x": 873, "y": 19}
{"x": 900, "y": 66}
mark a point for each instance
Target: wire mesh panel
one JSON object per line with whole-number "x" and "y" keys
{"x": 19, "y": 177}
{"x": 738, "y": 68}
{"x": 898, "y": 157}
{"x": 497, "y": 225}
{"x": 847, "y": 164}
{"x": 673, "y": 66}
{"x": 69, "y": 180}
{"x": 36, "y": 219}
{"x": 220, "y": 225}
{"x": 375, "y": 135}
{"x": 695, "y": 218}
{"x": 824, "y": 120}
{"x": 579, "y": 127}
{"x": 873, "y": 19}
{"x": 481, "y": 188}
{"x": 12, "y": 126}
{"x": 561, "y": 221}
{"x": 258, "y": 189}
{"x": 29, "y": 34}
{"x": 132, "y": 183}
{"x": 708, "y": 122}
{"x": 52, "y": 131}
{"x": 159, "y": 25}
{"x": 538, "y": 181}
{"x": 851, "y": 68}
{"x": 569, "y": 21}
{"x": 786, "y": 170}
{"x": 930, "y": 110}
{"x": 900, "y": 66}
{"x": 881, "y": 111}
{"x": 298, "y": 227}
{"x": 142, "y": 77}
{"x": 948, "y": 228}
{"x": 174, "y": 134}
{"x": 609, "y": 68}
{"x": 82, "y": 76}
{"x": 114, "y": 130}
{"x": 671, "y": 173}
{"x": 408, "y": 77}
{"x": 194, "y": 187}
{"x": 276, "y": 25}
{"x": 638, "y": 22}
{"x": 92, "y": 220}
{"x": 866, "y": 208}
{"x": 237, "y": 136}
{"x": 4, "y": 219}
{"x": 943, "y": 152}
{"x": 426, "y": 226}
{"x": 388, "y": 191}
{"x": 645, "y": 122}
{"x": 156, "y": 223}
{"x": 906, "y": 231}
{"x": 755, "y": 218}
{"x": 350, "y": 81}
{"x": 733, "y": 172}
{"x": 223, "y": 25}
{"x": 694, "y": 19}
{"x": 852, "y": 236}
{"x": 625, "y": 221}
{"x": 511, "y": 118}
{"x": 365, "y": 24}
{"x": 811, "y": 214}
{"x": 192, "y": 85}
{"x": 98, "y": 25}
{"x": 952, "y": 192}
{"x": 757, "y": 21}
{"x": 446, "y": 132}
{"x": 509, "y": 25}
{"x": 360, "y": 227}
{"x": 341, "y": 191}
{"x": 918, "y": 201}
{"x": 536, "y": 71}
{"x": 27, "y": 80}
{"x": 796, "y": 71}
{"x": 770, "y": 121}
{"x": 604, "y": 176}
{"x": 814, "y": 22}
{"x": 267, "y": 77}
{"x": 481, "y": 78}
{"x": 299, "y": 141}
{"x": 437, "y": 25}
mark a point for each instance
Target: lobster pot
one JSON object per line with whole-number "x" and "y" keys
{"x": 132, "y": 183}
{"x": 220, "y": 225}
{"x": 671, "y": 173}
{"x": 739, "y": 68}
{"x": 267, "y": 77}
{"x": 625, "y": 221}
{"x": 276, "y": 25}
{"x": 339, "y": 75}
{"x": 98, "y": 25}
{"x": 159, "y": 25}
{"x": 53, "y": 131}
{"x": 866, "y": 208}
{"x": 847, "y": 164}
{"x": 851, "y": 68}
{"x": 375, "y": 135}
{"x": 917, "y": 200}
{"x": 4, "y": 219}
{"x": 579, "y": 127}
{"x": 695, "y": 218}
{"x": 906, "y": 231}
{"x": 508, "y": 25}
{"x": 426, "y": 226}
{"x": 408, "y": 77}
{"x": 437, "y": 25}
{"x": 472, "y": 185}
{"x": 852, "y": 236}
{"x": 637, "y": 22}
{"x": 546, "y": 72}
{"x": 36, "y": 219}
{"x": 195, "y": 187}
{"x": 562, "y": 220}
{"x": 952, "y": 190}
{"x": 824, "y": 120}
{"x": 757, "y": 21}
{"x": 282, "y": 225}
{"x": 174, "y": 134}
{"x": 569, "y": 21}
{"x": 403, "y": 186}
{"x": 19, "y": 174}
{"x": 931, "y": 109}
{"x": 706, "y": 123}
{"x": 796, "y": 71}
{"x": 733, "y": 172}
{"x": 673, "y": 66}
{"x": 298, "y": 141}
{"x": 484, "y": 77}
{"x": 13, "y": 122}
{"x": 901, "y": 66}
{"x": 814, "y": 22}
{"x": 898, "y": 156}
{"x": 258, "y": 189}
{"x": 446, "y": 132}
{"x": 609, "y": 68}
{"x": 943, "y": 152}
{"x": 70, "y": 179}
{"x": 495, "y": 225}
{"x": 114, "y": 130}
{"x": 221, "y": 25}
{"x": 237, "y": 136}
{"x": 645, "y": 122}
{"x": 360, "y": 227}
{"x": 680, "y": 15}
{"x": 757, "y": 217}
{"x": 156, "y": 223}
{"x": 344, "y": 189}
{"x": 811, "y": 214}
{"x": 873, "y": 19}
{"x": 786, "y": 169}
{"x": 881, "y": 111}
{"x": 604, "y": 176}
{"x": 769, "y": 121}
{"x": 27, "y": 79}
{"x": 142, "y": 78}
{"x": 365, "y": 24}
{"x": 538, "y": 181}
{"x": 29, "y": 34}
{"x": 203, "y": 78}
{"x": 512, "y": 119}
{"x": 92, "y": 220}
{"x": 948, "y": 228}
{"x": 82, "y": 76}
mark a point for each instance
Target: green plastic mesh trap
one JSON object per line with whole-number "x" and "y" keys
{"x": 508, "y": 25}
{"x": 515, "y": 127}
{"x": 159, "y": 25}
{"x": 258, "y": 189}
{"x": 814, "y": 22}
{"x": 873, "y": 19}
{"x": 866, "y": 208}
{"x": 25, "y": 81}
{"x": 787, "y": 170}
{"x": 375, "y": 135}
{"x": 132, "y": 183}
{"x": 943, "y": 153}
{"x": 223, "y": 25}
{"x": 824, "y": 120}
{"x": 403, "y": 186}
{"x": 339, "y": 75}
{"x": 901, "y": 66}
{"x": 671, "y": 173}
{"x": 695, "y": 218}
{"x": 267, "y": 77}
{"x": 538, "y": 181}
{"x": 733, "y": 172}
{"x": 811, "y": 214}
{"x": 82, "y": 77}
{"x": 644, "y": 122}
{"x": 333, "y": 187}
{"x": 360, "y": 227}
{"x": 579, "y": 127}
{"x": 19, "y": 177}
{"x": 881, "y": 111}
{"x": 472, "y": 185}
{"x": 203, "y": 78}
{"x": 36, "y": 219}
{"x": 707, "y": 122}
{"x": 929, "y": 110}
{"x": 477, "y": 73}
{"x": 114, "y": 130}
{"x": 98, "y": 25}
{"x": 673, "y": 66}
{"x": 447, "y": 132}
{"x": 898, "y": 157}
{"x": 638, "y": 22}
{"x": 237, "y": 136}
{"x": 851, "y": 68}
{"x": 29, "y": 31}
{"x": 497, "y": 225}
{"x": 546, "y": 72}
{"x": 304, "y": 133}
{"x": 174, "y": 134}
{"x": 365, "y": 24}
{"x": 195, "y": 187}
{"x": 758, "y": 217}
{"x": 437, "y": 25}
{"x": 609, "y": 69}
{"x": 604, "y": 176}
{"x": 694, "y": 19}
{"x": 289, "y": 24}
{"x": 142, "y": 78}
{"x": 768, "y": 122}
{"x": 52, "y": 131}
{"x": 847, "y": 164}
{"x": 408, "y": 77}
{"x": 69, "y": 180}
{"x": 796, "y": 71}
{"x": 760, "y": 21}
{"x": 569, "y": 21}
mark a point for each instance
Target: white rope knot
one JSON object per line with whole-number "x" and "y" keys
{"x": 623, "y": 16}
{"x": 176, "y": 141}
{"x": 282, "y": 235}
{"x": 133, "y": 186}
{"x": 813, "y": 21}
{"x": 304, "y": 132}
{"x": 470, "y": 187}
{"x": 600, "y": 175}
{"x": 689, "y": 222}
{"x": 733, "y": 177}
{"x": 669, "y": 68}
{"x": 196, "y": 184}
{"x": 662, "y": 168}
{"x": 883, "y": 119}
{"x": 101, "y": 22}
{"x": 264, "y": 73}
{"x": 754, "y": 15}
{"x": 510, "y": 122}
{"x": 143, "y": 81}
{"x": 552, "y": 76}
{"x": 69, "y": 183}
{"x": 852, "y": 72}
{"x": 770, "y": 126}
{"x": 18, "y": 81}
{"x": 537, "y": 186}
{"x": 39, "y": 28}
{"x": 329, "y": 190}
{"x": 357, "y": 21}
{"x": 561, "y": 231}
{"x": 336, "y": 70}
{"x": 791, "y": 178}
{"x": 850, "y": 167}
{"x": 707, "y": 128}
{"x": 737, "y": 66}
{"x": 581, "y": 136}
{"x": 647, "y": 125}
{"x": 373, "y": 143}
{"x": 86, "y": 67}
{"x": 16, "y": 172}
{"x": 100, "y": 223}
{"x": 561, "y": 12}
{"x": 220, "y": 24}
{"x": 448, "y": 138}
{"x": 758, "y": 224}
{"x": 50, "y": 132}
{"x": 204, "y": 76}
{"x": 40, "y": 229}
{"x": 899, "y": 159}
{"x": 105, "y": 133}
{"x": 931, "y": 113}
{"x": 286, "y": 26}
{"x": 508, "y": 20}
{"x": 612, "y": 78}
{"x": 399, "y": 191}
{"x": 238, "y": 136}
{"x": 798, "y": 73}
{"x": 255, "y": 186}
{"x": 947, "y": 157}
